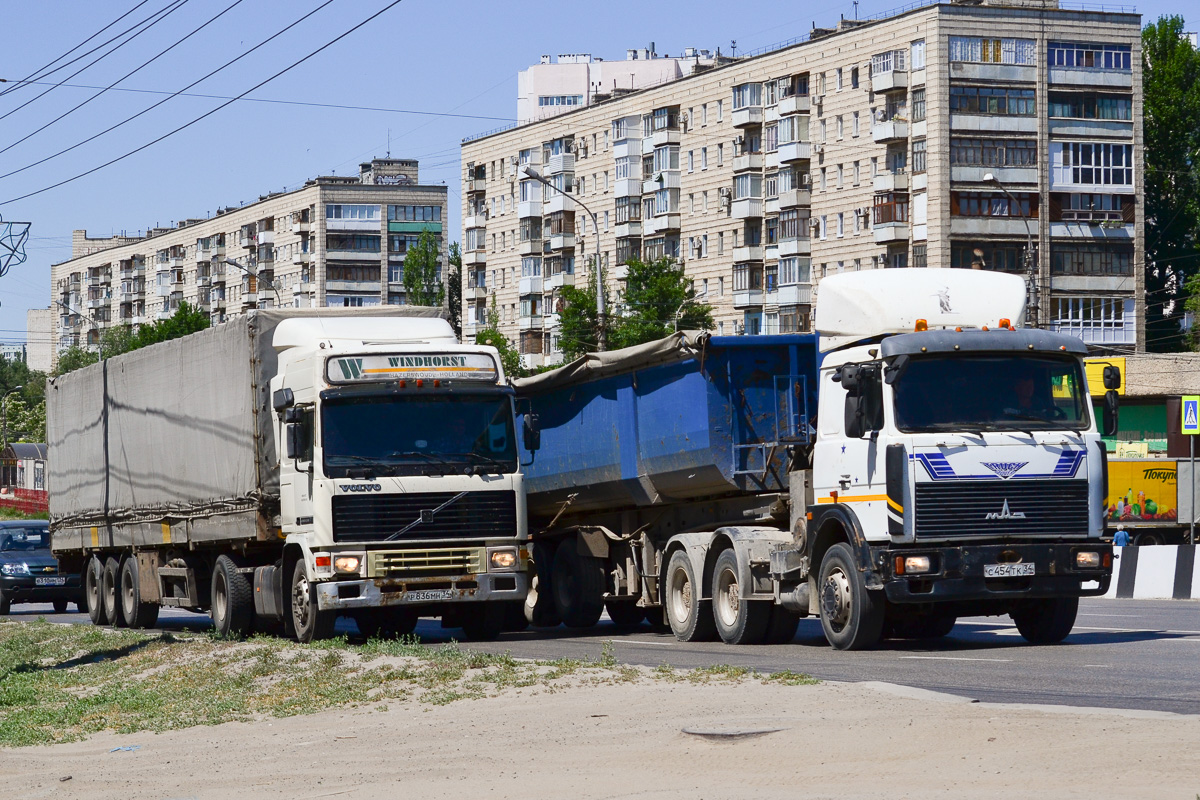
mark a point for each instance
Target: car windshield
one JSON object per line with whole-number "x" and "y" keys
{"x": 393, "y": 435}
{"x": 991, "y": 392}
{"x": 23, "y": 539}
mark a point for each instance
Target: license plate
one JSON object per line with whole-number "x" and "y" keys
{"x": 421, "y": 595}
{"x": 59, "y": 580}
{"x": 1007, "y": 570}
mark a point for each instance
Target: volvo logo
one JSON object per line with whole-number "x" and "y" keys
{"x": 1004, "y": 513}
{"x": 360, "y": 487}
{"x": 1005, "y": 469}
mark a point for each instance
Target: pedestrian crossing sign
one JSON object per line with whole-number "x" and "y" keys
{"x": 1191, "y": 414}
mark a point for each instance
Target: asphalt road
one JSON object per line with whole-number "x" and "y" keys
{"x": 1137, "y": 654}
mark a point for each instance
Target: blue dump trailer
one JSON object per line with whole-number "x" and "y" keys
{"x": 691, "y": 433}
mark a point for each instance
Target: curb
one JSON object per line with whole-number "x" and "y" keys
{"x": 1162, "y": 572}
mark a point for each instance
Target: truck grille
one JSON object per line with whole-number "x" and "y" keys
{"x": 957, "y": 509}
{"x": 374, "y": 518}
{"x": 426, "y": 563}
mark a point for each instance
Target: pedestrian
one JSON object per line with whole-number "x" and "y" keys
{"x": 1121, "y": 539}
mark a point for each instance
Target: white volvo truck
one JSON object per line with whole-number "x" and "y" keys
{"x": 285, "y": 468}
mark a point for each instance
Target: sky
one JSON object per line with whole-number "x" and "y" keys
{"x": 454, "y": 60}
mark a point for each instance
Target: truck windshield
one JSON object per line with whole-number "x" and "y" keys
{"x": 991, "y": 392}
{"x": 417, "y": 435}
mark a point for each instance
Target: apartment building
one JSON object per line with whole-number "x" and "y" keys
{"x": 337, "y": 241}
{"x": 946, "y": 136}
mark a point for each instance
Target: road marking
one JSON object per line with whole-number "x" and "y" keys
{"x": 952, "y": 658}
{"x": 1130, "y": 616}
{"x": 649, "y": 644}
{"x": 1097, "y": 666}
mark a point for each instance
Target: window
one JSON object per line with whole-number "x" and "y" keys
{"x": 918, "y": 105}
{"x": 821, "y": 129}
{"x": 890, "y": 207}
{"x": 993, "y": 204}
{"x": 560, "y": 100}
{"x": 720, "y": 154}
{"x": 704, "y": 114}
{"x": 1082, "y": 315}
{"x": 1091, "y": 164}
{"x": 666, "y": 201}
{"x": 352, "y": 272}
{"x": 1000, "y": 257}
{"x": 747, "y": 277}
{"x": 823, "y": 179}
{"x": 703, "y": 158}
{"x": 665, "y": 158}
{"x": 357, "y": 243}
{"x": 348, "y": 211}
{"x": 994, "y": 152}
{"x": 745, "y": 96}
{"x": 919, "y": 257}
{"x": 691, "y": 160}
{"x": 838, "y": 79}
{"x": 1091, "y": 106}
{"x": 770, "y": 137}
{"x": 531, "y": 267}
{"x": 823, "y": 226}
{"x": 400, "y": 243}
{"x": 721, "y": 243}
{"x": 918, "y": 155}
{"x": 792, "y": 129}
{"x": 1090, "y": 56}
{"x": 792, "y": 225}
{"x": 772, "y": 228}
{"x": 992, "y": 51}
{"x": 891, "y": 61}
{"x": 747, "y": 186}
{"x": 854, "y": 77}
{"x": 996, "y": 100}
{"x": 840, "y": 127}
{"x": 917, "y": 51}
{"x": 793, "y": 270}
{"x": 854, "y": 126}
{"x": 771, "y": 185}
{"x": 1091, "y": 259}
{"x": 1086, "y": 207}
{"x": 841, "y": 224}
{"x": 838, "y": 174}
{"x": 720, "y": 110}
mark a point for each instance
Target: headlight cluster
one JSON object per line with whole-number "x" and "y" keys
{"x": 14, "y": 569}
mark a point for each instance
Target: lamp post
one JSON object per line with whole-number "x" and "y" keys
{"x": 679, "y": 311}
{"x": 602, "y": 334}
{"x": 4, "y": 410}
{"x": 270, "y": 284}
{"x": 1030, "y": 263}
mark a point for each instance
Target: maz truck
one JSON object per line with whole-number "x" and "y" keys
{"x": 285, "y": 468}
{"x": 924, "y": 457}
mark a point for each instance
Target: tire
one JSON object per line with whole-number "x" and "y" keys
{"x": 60, "y": 606}
{"x": 851, "y": 616}
{"x": 929, "y": 626}
{"x": 110, "y": 593}
{"x": 514, "y": 617}
{"x": 738, "y": 620}
{"x": 232, "y": 599}
{"x": 308, "y": 622}
{"x": 93, "y": 590}
{"x": 137, "y": 614}
{"x": 577, "y": 584}
{"x": 5, "y": 604}
{"x": 782, "y": 627}
{"x": 625, "y": 613}
{"x": 386, "y": 623}
{"x": 483, "y": 622}
{"x": 691, "y": 618}
{"x": 540, "y": 610}
{"x": 1046, "y": 621}
{"x": 1149, "y": 539}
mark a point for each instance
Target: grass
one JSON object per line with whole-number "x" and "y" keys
{"x": 61, "y": 683}
{"x": 12, "y": 513}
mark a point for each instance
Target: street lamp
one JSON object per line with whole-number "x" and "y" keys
{"x": 602, "y": 334}
{"x": 1030, "y": 265}
{"x": 270, "y": 284}
{"x": 679, "y": 311}
{"x": 4, "y": 410}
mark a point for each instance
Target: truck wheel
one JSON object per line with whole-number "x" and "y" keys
{"x": 691, "y": 618}
{"x": 851, "y": 616}
{"x": 60, "y": 605}
{"x": 1148, "y": 539}
{"x": 309, "y": 623}
{"x": 738, "y": 620}
{"x": 93, "y": 590}
{"x": 625, "y": 613}
{"x": 514, "y": 616}
{"x": 232, "y": 599}
{"x": 540, "y": 610}
{"x": 483, "y": 622}
{"x": 111, "y": 594}
{"x": 577, "y": 583}
{"x": 5, "y": 604}
{"x": 137, "y": 614}
{"x": 1046, "y": 621}
{"x": 782, "y": 627}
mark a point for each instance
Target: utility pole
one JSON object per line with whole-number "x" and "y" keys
{"x": 602, "y": 333}
{"x": 1031, "y": 269}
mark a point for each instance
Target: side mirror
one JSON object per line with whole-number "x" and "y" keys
{"x": 855, "y": 418}
{"x": 533, "y": 435}
{"x": 1111, "y": 404}
{"x": 293, "y": 415}
{"x": 283, "y": 398}
{"x": 896, "y": 369}
{"x": 295, "y": 440}
{"x": 1112, "y": 378}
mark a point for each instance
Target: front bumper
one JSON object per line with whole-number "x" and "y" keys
{"x": 24, "y": 589}
{"x": 345, "y": 595}
{"x": 957, "y": 573}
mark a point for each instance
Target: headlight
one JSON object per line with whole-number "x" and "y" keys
{"x": 1087, "y": 560}
{"x": 504, "y": 559}
{"x": 347, "y": 563}
{"x": 14, "y": 569}
{"x": 912, "y": 565}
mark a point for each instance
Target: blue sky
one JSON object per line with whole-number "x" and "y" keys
{"x": 450, "y": 57}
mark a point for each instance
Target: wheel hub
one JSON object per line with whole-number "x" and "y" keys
{"x": 300, "y": 602}
{"x": 835, "y": 598}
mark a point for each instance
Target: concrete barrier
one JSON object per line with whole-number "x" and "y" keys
{"x": 1164, "y": 572}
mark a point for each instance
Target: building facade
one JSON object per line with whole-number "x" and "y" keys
{"x": 947, "y": 136}
{"x": 39, "y": 324}
{"x": 337, "y": 241}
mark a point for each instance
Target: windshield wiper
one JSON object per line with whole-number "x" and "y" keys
{"x": 499, "y": 465}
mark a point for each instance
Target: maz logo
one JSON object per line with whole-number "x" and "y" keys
{"x": 1006, "y": 514}
{"x": 360, "y": 487}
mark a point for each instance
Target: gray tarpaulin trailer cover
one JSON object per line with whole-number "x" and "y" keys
{"x": 177, "y": 432}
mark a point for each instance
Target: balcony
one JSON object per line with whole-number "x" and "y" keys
{"x": 620, "y": 272}
{"x": 891, "y": 182}
{"x": 529, "y": 208}
{"x": 477, "y": 292}
{"x": 1006, "y": 175}
{"x": 1108, "y": 229}
{"x": 557, "y": 202}
{"x": 163, "y": 290}
{"x": 747, "y": 208}
{"x": 301, "y": 227}
{"x": 530, "y": 323}
{"x": 476, "y": 184}
{"x": 265, "y": 237}
{"x": 745, "y": 117}
{"x": 474, "y": 258}
{"x": 559, "y": 280}
{"x": 794, "y": 151}
{"x": 530, "y": 285}
{"x": 163, "y": 314}
{"x": 748, "y": 253}
{"x": 795, "y": 197}
{"x": 1096, "y": 335}
{"x": 475, "y": 221}
{"x": 563, "y": 162}
{"x": 667, "y": 179}
{"x": 749, "y": 161}
{"x": 561, "y": 241}
{"x": 794, "y": 294}
{"x": 99, "y": 302}
{"x": 203, "y": 255}
{"x": 301, "y": 258}
{"x": 203, "y": 280}
{"x": 628, "y": 187}
{"x": 627, "y": 229}
{"x": 532, "y": 360}
{"x": 1092, "y": 78}
{"x": 665, "y": 136}
{"x": 890, "y": 81}
{"x": 748, "y": 298}
{"x": 530, "y": 247}
{"x": 795, "y": 247}
{"x": 664, "y": 222}
{"x": 992, "y": 226}
{"x": 796, "y": 104}
{"x": 887, "y": 232}
{"x": 890, "y": 131}
{"x": 470, "y": 327}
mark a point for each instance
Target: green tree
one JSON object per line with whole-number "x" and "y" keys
{"x": 422, "y": 286}
{"x": 454, "y": 288}
{"x": 655, "y": 293}
{"x": 579, "y": 321}
{"x": 1171, "y": 87}
{"x": 491, "y": 336}
{"x": 25, "y": 422}
{"x": 118, "y": 339}
{"x": 73, "y": 358}
{"x": 123, "y": 338}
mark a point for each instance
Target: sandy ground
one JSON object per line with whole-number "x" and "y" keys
{"x": 627, "y": 741}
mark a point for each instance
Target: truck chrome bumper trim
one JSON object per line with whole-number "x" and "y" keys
{"x": 331, "y": 595}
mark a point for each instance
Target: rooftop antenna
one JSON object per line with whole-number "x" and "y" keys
{"x": 856, "y": 9}
{"x": 389, "y": 147}
{"x": 733, "y": 48}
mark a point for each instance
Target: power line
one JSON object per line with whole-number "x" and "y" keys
{"x": 38, "y": 73}
{"x": 135, "y": 70}
{"x": 168, "y": 98}
{"x": 207, "y": 114}
{"x": 157, "y": 18}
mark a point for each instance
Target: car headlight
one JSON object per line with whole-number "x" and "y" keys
{"x": 14, "y": 569}
{"x": 347, "y": 564}
{"x": 504, "y": 559}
